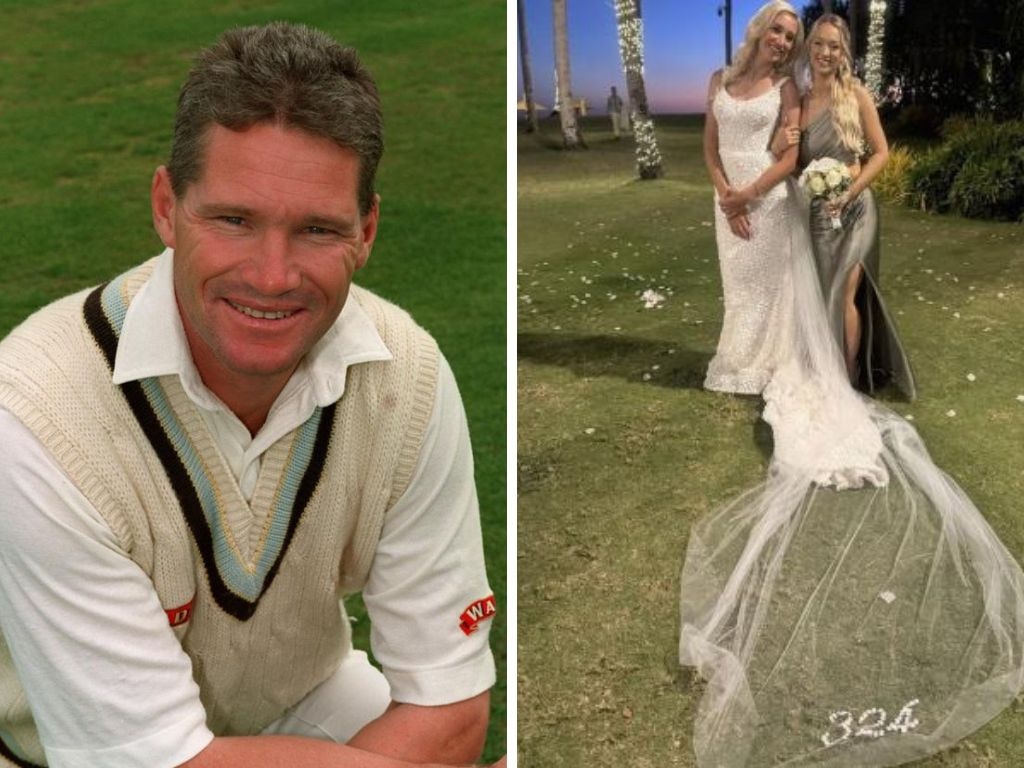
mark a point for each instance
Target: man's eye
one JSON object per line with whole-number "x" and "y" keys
{"x": 235, "y": 221}
{"x": 315, "y": 230}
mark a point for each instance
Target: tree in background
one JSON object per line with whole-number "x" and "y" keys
{"x": 875, "y": 59}
{"x": 524, "y": 58}
{"x": 572, "y": 138}
{"x": 725, "y": 9}
{"x": 957, "y": 57}
{"x": 966, "y": 57}
{"x": 631, "y": 50}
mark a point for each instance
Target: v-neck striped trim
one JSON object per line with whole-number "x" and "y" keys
{"x": 237, "y": 582}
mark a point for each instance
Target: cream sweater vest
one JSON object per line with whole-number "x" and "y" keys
{"x": 265, "y": 576}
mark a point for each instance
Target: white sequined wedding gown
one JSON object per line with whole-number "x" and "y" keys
{"x": 854, "y": 608}
{"x": 754, "y": 281}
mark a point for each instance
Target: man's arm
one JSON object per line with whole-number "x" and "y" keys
{"x": 106, "y": 679}
{"x": 427, "y": 573}
{"x": 452, "y": 733}
{"x": 291, "y": 751}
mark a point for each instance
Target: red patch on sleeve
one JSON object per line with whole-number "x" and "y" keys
{"x": 476, "y": 612}
{"x": 181, "y": 614}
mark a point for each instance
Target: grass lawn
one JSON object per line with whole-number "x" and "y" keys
{"x": 620, "y": 448}
{"x": 88, "y": 101}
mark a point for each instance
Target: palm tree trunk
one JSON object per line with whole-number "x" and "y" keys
{"x": 726, "y": 10}
{"x": 875, "y": 59}
{"x": 631, "y": 48}
{"x": 571, "y": 136}
{"x": 524, "y": 58}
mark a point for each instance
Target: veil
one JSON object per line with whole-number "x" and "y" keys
{"x": 854, "y": 608}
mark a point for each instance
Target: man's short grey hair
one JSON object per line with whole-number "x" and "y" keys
{"x": 280, "y": 73}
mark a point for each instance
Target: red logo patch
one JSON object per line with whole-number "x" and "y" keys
{"x": 476, "y": 612}
{"x": 181, "y": 614}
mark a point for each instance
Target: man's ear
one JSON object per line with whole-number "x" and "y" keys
{"x": 368, "y": 222}
{"x": 163, "y": 202}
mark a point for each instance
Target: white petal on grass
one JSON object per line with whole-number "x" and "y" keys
{"x": 887, "y": 596}
{"x": 951, "y": 413}
{"x": 1020, "y": 398}
{"x": 589, "y": 430}
{"x": 651, "y": 299}
{"x": 971, "y": 377}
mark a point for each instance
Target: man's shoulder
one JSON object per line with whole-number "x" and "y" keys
{"x": 388, "y": 317}
{"x": 43, "y": 331}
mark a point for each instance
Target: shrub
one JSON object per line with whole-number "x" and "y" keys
{"x": 990, "y": 187}
{"x": 932, "y": 177}
{"x": 893, "y": 183}
{"x": 957, "y": 125}
{"x": 978, "y": 171}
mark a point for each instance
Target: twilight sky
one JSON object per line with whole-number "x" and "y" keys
{"x": 684, "y": 42}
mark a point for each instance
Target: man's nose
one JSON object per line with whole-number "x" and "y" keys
{"x": 274, "y": 268}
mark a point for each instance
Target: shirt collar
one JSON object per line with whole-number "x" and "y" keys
{"x": 153, "y": 314}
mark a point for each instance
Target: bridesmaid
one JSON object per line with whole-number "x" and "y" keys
{"x": 838, "y": 119}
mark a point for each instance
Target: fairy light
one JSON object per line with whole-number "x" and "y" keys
{"x": 647, "y": 154}
{"x": 631, "y": 36}
{"x": 876, "y": 42}
{"x": 631, "y": 49}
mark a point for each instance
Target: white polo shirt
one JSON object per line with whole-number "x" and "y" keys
{"x": 107, "y": 681}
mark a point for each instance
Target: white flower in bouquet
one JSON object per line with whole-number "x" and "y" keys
{"x": 827, "y": 179}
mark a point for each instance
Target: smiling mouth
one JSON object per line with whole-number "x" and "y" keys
{"x": 260, "y": 314}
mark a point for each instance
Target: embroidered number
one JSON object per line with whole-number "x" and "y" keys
{"x": 843, "y": 720}
{"x": 871, "y": 724}
{"x": 905, "y": 720}
{"x": 875, "y": 728}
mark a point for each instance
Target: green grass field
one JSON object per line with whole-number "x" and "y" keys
{"x": 620, "y": 449}
{"x": 87, "y": 103}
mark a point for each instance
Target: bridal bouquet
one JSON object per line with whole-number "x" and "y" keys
{"x": 826, "y": 178}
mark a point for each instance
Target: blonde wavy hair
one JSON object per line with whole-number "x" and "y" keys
{"x": 757, "y": 26}
{"x": 845, "y": 109}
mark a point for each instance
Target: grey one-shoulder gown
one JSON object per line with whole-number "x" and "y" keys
{"x": 882, "y": 358}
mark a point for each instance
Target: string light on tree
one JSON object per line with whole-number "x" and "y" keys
{"x": 876, "y": 43}
{"x": 631, "y": 50}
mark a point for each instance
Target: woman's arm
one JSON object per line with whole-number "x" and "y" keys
{"x": 738, "y": 221}
{"x": 875, "y": 137}
{"x": 780, "y": 169}
{"x": 787, "y": 135}
{"x": 711, "y": 157}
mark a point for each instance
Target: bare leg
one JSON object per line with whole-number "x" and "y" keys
{"x": 851, "y": 319}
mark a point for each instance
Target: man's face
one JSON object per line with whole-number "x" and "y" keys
{"x": 265, "y": 242}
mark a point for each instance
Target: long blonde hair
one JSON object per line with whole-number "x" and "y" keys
{"x": 757, "y": 26}
{"x": 845, "y": 109}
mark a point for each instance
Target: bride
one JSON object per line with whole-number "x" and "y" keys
{"x": 854, "y": 609}
{"x": 744, "y": 105}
